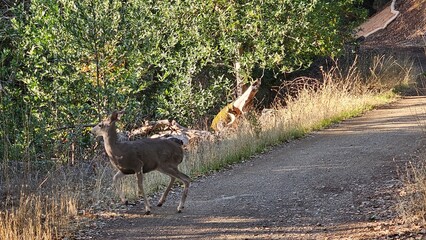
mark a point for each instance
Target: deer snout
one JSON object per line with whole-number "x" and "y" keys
{"x": 93, "y": 130}
{"x": 96, "y": 130}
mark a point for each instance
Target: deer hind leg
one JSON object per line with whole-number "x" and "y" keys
{"x": 174, "y": 172}
{"x": 186, "y": 181}
{"x": 164, "y": 196}
{"x": 139, "y": 176}
{"x": 118, "y": 187}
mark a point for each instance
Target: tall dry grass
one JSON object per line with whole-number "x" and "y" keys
{"x": 412, "y": 198}
{"x": 49, "y": 205}
{"x": 38, "y": 217}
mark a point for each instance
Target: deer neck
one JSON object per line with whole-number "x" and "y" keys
{"x": 110, "y": 140}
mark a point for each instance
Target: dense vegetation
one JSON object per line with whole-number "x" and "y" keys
{"x": 64, "y": 64}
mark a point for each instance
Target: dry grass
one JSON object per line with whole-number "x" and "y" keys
{"x": 412, "y": 204}
{"x": 387, "y": 72}
{"x": 47, "y": 206}
{"x": 38, "y": 217}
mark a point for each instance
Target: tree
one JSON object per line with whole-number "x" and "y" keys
{"x": 73, "y": 61}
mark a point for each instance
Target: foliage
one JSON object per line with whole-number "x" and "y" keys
{"x": 66, "y": 63}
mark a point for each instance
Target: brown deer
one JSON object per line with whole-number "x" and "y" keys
{"x": 143, "y": 156}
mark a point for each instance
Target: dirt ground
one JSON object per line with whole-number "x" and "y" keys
{"x": 407, "y": 30}
{"x": 339, "y": 183}
{"x": 376, "y": 22}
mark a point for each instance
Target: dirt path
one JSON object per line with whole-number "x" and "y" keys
{"x": 337, "y": 183}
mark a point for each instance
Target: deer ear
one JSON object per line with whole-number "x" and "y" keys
{"x": 120, "y": 114}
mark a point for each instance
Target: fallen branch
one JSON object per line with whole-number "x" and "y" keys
{"x": 170, "y": 129}
{"x": 228, "y": 115}
{"x": 72, "y": 127}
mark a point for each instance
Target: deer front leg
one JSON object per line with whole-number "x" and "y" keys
{"x": 117, "y": 186}
{"x": 139, "y": 175}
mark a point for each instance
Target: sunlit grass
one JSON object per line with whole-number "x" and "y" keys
{"x": 39, "y": 217}
{"x": 412, "y": 204}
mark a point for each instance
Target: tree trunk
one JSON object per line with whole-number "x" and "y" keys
{"x": 237, "y": 70}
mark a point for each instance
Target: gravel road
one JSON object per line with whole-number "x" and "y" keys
{"x": 338, "y": 183}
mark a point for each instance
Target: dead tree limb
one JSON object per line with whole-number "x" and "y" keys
{"x": 230, "y": 113}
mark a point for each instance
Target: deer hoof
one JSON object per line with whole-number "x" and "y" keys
{"x": 159, "y": 204}
{"x": 148, "y": 213}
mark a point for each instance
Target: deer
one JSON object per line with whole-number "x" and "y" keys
{"x": 140, "y": 157}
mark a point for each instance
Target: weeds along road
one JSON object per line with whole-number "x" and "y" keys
{"x": 337, "y": 183}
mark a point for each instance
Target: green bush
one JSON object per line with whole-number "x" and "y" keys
{"x": 65, "y": 64}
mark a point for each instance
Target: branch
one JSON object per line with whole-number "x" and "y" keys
{"x": 70, "y": 127}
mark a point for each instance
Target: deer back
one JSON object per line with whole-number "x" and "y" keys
{"x": 146, "y": 155}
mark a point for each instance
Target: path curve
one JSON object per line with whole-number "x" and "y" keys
{"x": 336, "y": 183}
